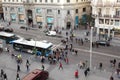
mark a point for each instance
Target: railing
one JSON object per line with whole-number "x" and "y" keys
{"x": 116, "y": 16}
{"x": 108, "y": 16}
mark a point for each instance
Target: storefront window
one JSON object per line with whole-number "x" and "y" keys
{"x": 13, "y": 17}
{"x": 117, "y": 22}
{"x": 21, "y": 18}
{"x": 39, "y": 20}
{"x": 50, "y": 19}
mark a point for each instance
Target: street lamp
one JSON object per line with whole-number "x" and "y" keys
{"x": 91, "y": 36}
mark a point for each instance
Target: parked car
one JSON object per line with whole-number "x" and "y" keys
{"x": 7, "y": 29}
{"x": 103, "y": 42}
{"x": 51, "y": 33}
{"x": 22, "y": 27}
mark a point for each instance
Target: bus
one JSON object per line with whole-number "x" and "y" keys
{"x": 8, "y": 37}
{"x": 42, "y": 48}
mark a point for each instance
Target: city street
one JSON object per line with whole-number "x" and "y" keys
{"x": 101, "y": 54}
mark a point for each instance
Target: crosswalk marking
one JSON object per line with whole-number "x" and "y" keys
{"x": 88, "y": 51}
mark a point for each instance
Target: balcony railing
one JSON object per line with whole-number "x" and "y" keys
{"x": 116, "y": 5}
{"x": 107, "y": 16}
{"x": 116, "y": 16}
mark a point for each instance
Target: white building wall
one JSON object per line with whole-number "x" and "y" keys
{"x": 59, "y": 19}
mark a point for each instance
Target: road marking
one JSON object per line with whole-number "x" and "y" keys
{"x": 55, "y": 46}
{"x": 94, "y": 52}
{"x": 100, "y": 53}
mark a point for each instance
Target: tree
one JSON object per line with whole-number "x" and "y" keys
{"x": 86, "y": 20}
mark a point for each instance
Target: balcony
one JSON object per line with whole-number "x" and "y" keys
{"x": 99, "y": 5}
{"x": 107, "y": 16}
{"x": 116, "y": 16}
{"x": 116, "y": 5}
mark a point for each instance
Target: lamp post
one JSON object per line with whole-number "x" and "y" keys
{"x": 91, "y": 36}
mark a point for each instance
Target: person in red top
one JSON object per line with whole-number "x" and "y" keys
{"x": 67, "y": 61}
{"x": 76, "y": 74}
{"x": 60, "y": 65}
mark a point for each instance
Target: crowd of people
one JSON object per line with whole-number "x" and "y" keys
{"x": 59, "y": 56}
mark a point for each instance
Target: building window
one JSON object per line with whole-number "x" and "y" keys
{"x": 13, "y": 17}
{"x": 5, "y": 8}
{"x": 51, "y": 1}
{"x": 68, "y": 1}
{"x": 12, "y": 0}
{"x": 76, "y": 11}
{"x": 20, "y": 9}
{"x": 58, "y": 11}
{"x": 116, "y": 22}
{"x": 12, "y": 9}
{"x": 117, "y": 12}
{"x": 38, "y": 10}
{"x": 118, "y": 0}
{"x": 4, "y": 0}
{"x": 46, "y": 1}
{"x": 16, "y": 0}
{"x": 68, "y": 12}
{"x": 58, "y": 1}
{"x": 35, "y": 0}
{"x": 76, "y": 0}
{"x": 8, "y": 0}
{"x": 40, "y": 0}
{"x": 49, "y": 11}
{"x": 84, "y": 9}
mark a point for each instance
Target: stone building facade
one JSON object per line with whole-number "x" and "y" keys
{"x": 51, "y": 13}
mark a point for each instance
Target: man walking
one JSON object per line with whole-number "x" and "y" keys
{"x": 43, "y": 67}
{"x": 27, "y": 65}
{"x": 18, "y": 68}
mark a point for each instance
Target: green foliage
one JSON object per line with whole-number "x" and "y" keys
{"x": 86, "y": 19}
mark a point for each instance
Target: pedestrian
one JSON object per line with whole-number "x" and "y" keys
{"x": 26, "y": 28}
{"x": 82, "y": 41}
{"x": 111, "y": 78}
{"x": 66, "y": 33}
{"x": 71, "y": 46}
{"x": 76, "y": 74}
{"x": 67, "y": 60}
{"x": 18, "y": 68}
{"x": 119, "y": 65}
{"x": 17, "y": 76}
{"x": 60, "y": 65}
{"x": 27, "y": 64}
{"x": 100, "y": 65}
{"x": 5, "y": 76}
{"x": 2, "y": 73}
{"x": 114, "y": 62}
{"x": 76, "y": 40}
{"x": 86, "y": 73}
{"x": 76, "y": 52}
{"x": 43, "y": 67}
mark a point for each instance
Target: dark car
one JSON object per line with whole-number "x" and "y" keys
{"x": 22, "y": 27}
{"x": 103, "y": 42}
{"x": 8, "y": 29}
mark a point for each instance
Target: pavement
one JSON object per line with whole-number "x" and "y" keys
{"x": 10, "y": 66}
